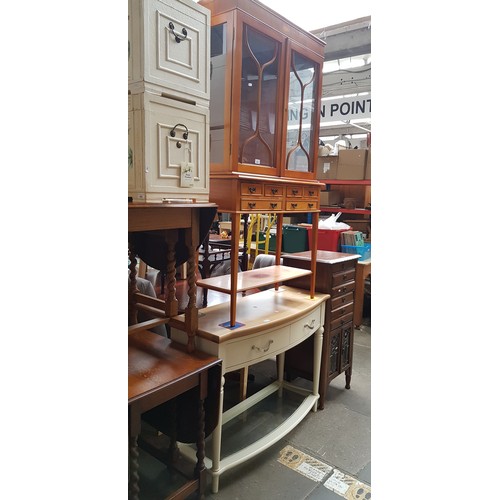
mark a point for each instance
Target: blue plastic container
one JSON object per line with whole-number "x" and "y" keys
{"x": 365, "y": 251}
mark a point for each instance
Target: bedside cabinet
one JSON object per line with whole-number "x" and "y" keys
{"x": 335, "y": 275}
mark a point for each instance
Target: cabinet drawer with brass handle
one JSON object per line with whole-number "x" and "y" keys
{"x": 294, "y": 191}
{"x": 303, "y": 206}
{"x": 250, "y": 188}
{"x": 270, "y": 190}
{"x": 261, "y": 205}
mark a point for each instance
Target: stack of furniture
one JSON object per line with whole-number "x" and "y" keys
{"x": 169, "y": 213}
{"x": 265, "y": 94}
{"x": 168, "y": 102}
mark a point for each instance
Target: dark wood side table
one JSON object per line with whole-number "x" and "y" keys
{"x": 158, "y": 371}
{"x": 336, "y": 274}
{"x": 165, "y": 236}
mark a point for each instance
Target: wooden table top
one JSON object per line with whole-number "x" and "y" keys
{"x": 155, "y": 362}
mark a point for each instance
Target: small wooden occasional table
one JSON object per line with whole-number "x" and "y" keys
{"x": 363, "y": 269}
{"x": 158, "y": 371}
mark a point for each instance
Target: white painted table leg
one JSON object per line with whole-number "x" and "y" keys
{"x": 280, "y": 359}
{"x": 318, "y": 342}
{"x": 216, "y": 443}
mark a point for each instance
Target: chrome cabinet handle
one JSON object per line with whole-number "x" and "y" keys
{"x": 265, "y": 349}
{"x": 311, "y": 324}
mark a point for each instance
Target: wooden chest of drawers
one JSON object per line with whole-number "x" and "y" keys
{"x": 335, "y": 275}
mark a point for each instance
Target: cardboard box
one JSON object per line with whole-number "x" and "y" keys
{"x": 362, "y": 225}
{"x": 351, "y": 164}
{"x": 368, "y": 170}
{"x": 329, "y": 198}
{"x": 327, "y": 167}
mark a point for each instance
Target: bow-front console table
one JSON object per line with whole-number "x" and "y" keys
{"x": 269, "y": 323}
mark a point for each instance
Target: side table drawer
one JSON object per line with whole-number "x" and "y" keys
{"x": 256, "y": 347}
{"x": 306, "y": 326}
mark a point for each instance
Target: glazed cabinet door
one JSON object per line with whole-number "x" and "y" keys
{"x": 304, "y": 70}
{"x": 246, "y": 122}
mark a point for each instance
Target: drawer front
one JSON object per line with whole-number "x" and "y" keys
{"x": 306, "y": 326}
{"x": 311, "y": 192}
{"x": 170, "y": 47}
{"x": 344, "y": 266}
{"x": 342, "y": 301}
{"x": 157, "y": 158}
{"x": 342, "y": 289}
{"x": 301, "y": 206}
{"x": 270, "y": 190}
{"x": 344, "y": 277}
{"x": 251, "y": 189}
{"x": 341, "y": 321}
{"x": 294, "y": 192}
{"x": 247, "y": 205}
{"x": 256, "y": 347}
{"x": 342, "y": 310}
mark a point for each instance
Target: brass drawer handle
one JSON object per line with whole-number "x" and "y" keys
{"x": 274, "y": 190}
{"x": 260, "y": 348}
{"x": 294, "y": 205}
{"x": 251, "y": 189}
{"x": 251, "y": 205}
{"x": 311, "y": 193}
{"x": 273, "y": 205}
{"x": 310, "y": 205}
{"x": 295, "y": 192}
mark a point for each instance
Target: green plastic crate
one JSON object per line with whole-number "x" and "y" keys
{"x": 294, "y": 239}
{"x": 262, "y": 241}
